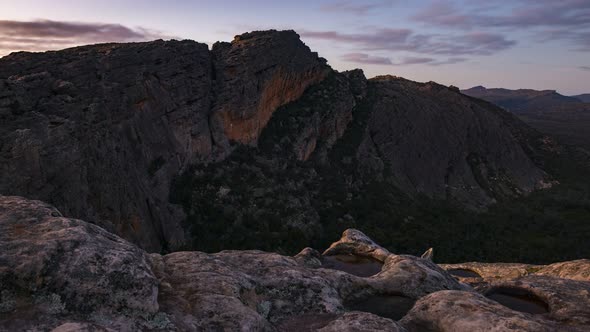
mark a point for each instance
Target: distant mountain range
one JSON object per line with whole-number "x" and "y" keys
{"x": 584, "y": 97}
{"x": 567, "y": 118}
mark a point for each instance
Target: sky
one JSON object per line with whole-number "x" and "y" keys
{"x": 537, "y": 44}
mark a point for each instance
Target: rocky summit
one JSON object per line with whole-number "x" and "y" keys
{"x": 60, "y": 274}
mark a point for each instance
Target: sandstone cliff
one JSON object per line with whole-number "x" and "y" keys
{"x": 61, "y": 274}
{"x": 102, "y": 131}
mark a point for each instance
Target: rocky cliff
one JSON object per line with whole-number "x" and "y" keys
{"x": 255, "y": 136}
{"x": 61, "y": 274}
{"x": 100, "y": 131}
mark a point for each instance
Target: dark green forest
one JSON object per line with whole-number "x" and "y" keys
{"x": 261, "y": 198}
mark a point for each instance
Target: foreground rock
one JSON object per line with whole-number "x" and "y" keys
{"x": 51, "y": 266}
{"x": 64, "y": 274}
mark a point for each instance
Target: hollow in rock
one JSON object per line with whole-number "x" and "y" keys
{"x": 519, "y": 300}
{"x": 389, "y": 306}
{"x": 357, "y": 265}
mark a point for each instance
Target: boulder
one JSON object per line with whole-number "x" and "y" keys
{"x": 52, "y": 266}
{"x": 355, "y": 242}
{"x": 455, "y": 311}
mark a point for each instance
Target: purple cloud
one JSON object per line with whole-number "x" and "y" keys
{"x": 429, "y": 61}
{"x": 449, "y": 61}
{"x": 473, "y": 43}
{"x": 525, "y": 14}
{"x": 44, "y": 34}
{"x": 354, "y": 8}
{"x": 579, "y": 39}
{"x": 415, "y": 61}
{"x": 382, "y": 36}
{"x": 366, "y": 59}
{"x": 443, "y": 14}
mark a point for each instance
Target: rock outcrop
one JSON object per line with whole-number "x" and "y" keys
{"x": 100, "y": 131}
{"x": 439, "y": 143}
{"x": 60, "y": 274}
{"x": 51, "y": 265}
{"x": 257, "y": 73}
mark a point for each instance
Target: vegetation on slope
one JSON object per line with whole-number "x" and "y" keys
{"x": 263, "y": 198}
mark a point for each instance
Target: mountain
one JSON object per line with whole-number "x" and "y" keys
{"x": 566, "y": 118}
{"x": 583, "y": 97}
{"x": 258, "y": 143}
{"x": 522, "y": 100}
{"x": 61, "y": 274}
{"x": 101, "y": 130}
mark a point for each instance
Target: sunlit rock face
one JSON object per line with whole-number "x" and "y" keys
{"x": 62, "y": 274}
{"x": 257, "y": 73}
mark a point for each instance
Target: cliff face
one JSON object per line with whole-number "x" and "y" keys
{"x": 257, "y": 73}
{"x": 444, "y": 145}
{"x": 100, "y": 131}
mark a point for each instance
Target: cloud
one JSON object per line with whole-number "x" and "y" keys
{"x": 382, "y": 36}
{"x": 472, "y": 43}
{"x": 443, "y": 14}
{"x": 364, "y": 58}
{"x": 587, "y": 68}
{"x": 429, "y": 61}
{"x": 354, "y": 8}
{"x": 44, "y": 35}
{"x": 566, "y": 21}
{"x": 415, "y": 61}
{"x": 449, "y": 61}
{"x": 579, "y": 39}
{"x": 522, "y": 14}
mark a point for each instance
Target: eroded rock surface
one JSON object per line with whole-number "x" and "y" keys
{"x": 576, "y": 270}
{"x": 449, "y": 311}
{"x": 51, "y": 265}
{"x": 60, "y": 274}
{"x": 354, "y": 242}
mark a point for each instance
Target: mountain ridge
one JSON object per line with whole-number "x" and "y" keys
{"x": 548, "y": 111}
{"x": 255, "y": 136}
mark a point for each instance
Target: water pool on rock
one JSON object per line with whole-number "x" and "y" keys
{"x": 358, "y": 265}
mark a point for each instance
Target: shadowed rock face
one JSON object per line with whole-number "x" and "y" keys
{"x": 99, "y": 130}
{"x": 444, "y": 145}
{"x": 64, "y": 274}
